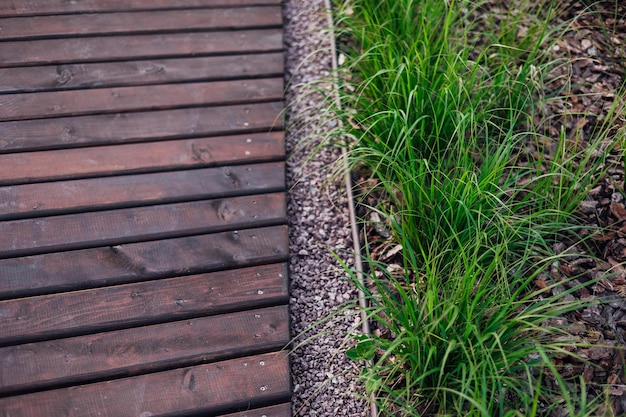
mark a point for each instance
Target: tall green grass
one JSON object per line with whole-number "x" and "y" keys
{"x": 439, "y": 100}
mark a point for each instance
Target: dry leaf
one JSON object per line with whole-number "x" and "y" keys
{"x": 617, "y": 207}
{"x": 541, "y": 283}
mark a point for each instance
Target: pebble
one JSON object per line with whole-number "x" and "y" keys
{"x": 325, "y": 381}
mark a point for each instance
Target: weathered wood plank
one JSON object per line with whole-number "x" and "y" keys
{"x": 88, "y": 268}
{"x": 83, "y": 359}
{"x": 34, "y": 200}
{"x": 125, "y": 23}
{"x": 126, "y": 73}
{"x": 89, "y": 311}
{"x": 37, "y": 7}
{"x": 128, "y": 259}
{"x": 21, "y": 168}
{"x": 114, "y": 227}
{"x": 151, "y": 97}
{"x": 211, "y": 388}
{"x": 281, "y": 410}
{"x": 66, "y": 132}
{"x": 111, "y": 48}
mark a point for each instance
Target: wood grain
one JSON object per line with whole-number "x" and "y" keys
{"x": 88, "y": 311}
{"x": 73, "y": 270}
{"x": 114, "y": 48}
{"x": 83, "y": 359}
{"x": 22, "y": 168}
{"x": 144, "y": 248}
{"x": 152, "y": 97}
{"x": 53, "y": 198}
{"x": 37, "y": 7}
{"x": 115, "y": 227}
{"x": 138, "y": 22}
{"x": 67, "y": 132}
{"x": 213, "y": 388}
{"x": 126, "y": 73}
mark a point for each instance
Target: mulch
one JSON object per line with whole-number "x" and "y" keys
{"x": 595, "y": 48}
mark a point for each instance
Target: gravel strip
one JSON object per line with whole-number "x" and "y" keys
{"x": 324, "y": 380}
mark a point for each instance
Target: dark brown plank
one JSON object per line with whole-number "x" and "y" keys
{"x": 113, "y": 227}
{"x": 33, "y": 200}
{"x": 114, "y": 74}
{"x": 38, "y": 27}
{"x": 69, "y": 132}
{"x": 49, "y": 273}
{"x": 281, "y": 410}
{"x": 101, "y": 309}
{"x": 58, "y": 51}
{"x": 151, "y": 97}
{"x": 36, "y": 7}
{"x": 20, "y": 168}
{"x": 83, "y": 359}
{"x": 237, "y": 383}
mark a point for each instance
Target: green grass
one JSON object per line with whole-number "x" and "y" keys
{"x": 439, "y": 104}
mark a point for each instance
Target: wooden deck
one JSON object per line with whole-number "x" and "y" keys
{"x": 143, "y": 240}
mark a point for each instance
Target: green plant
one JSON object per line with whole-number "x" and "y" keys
{"x": 439, "y": 106}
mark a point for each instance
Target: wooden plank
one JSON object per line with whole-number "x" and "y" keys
{"x": 21, "y": 168}
{"x": 126, "y": 73}
{"x": 125, "y": 23}
{"x": 280, "y": 410}
{"x": 114, "y": 227}
{"x": 113, "y": 48}
{"x": 34, "y": 200}
{"x": 95, "y": 310}
{"x": 67, "y": 132}
{"x": 83, "y": 359}
{"x": 88, "y": 268}
{"x": 212, "y": 388}
{"x": 37, "y": 7}
{"x": 151, "y": 97}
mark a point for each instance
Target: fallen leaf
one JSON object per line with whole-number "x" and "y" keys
{"x": 617, "y": 207}
{"x": 597, "y": 353}
{"x": 612, "y": 379}
{"x": 541, "y": 283}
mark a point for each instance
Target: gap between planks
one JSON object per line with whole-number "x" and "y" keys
{"x": 138, "y": 22}
{"x": 143, "y": 261}
{"x": 121, "y": 48}
{"x": 212, "y": 388}
{"x": 33, "y": 7}
{"x": 137, "y": 158}
{"x": 151, "y": 348}
{"x": 128, "y": 99}
{"x": 45, "y": 317}
{"x": 73, "y": 132}
{"x": 140, "y": 72}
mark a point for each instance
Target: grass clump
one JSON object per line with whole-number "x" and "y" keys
{"x": 440, "y": 100}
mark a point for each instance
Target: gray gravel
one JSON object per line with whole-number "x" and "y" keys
{"x": 324, "y": 380}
